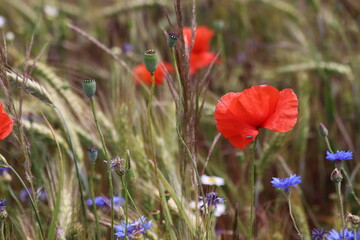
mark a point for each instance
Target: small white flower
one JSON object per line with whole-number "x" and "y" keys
{"x": 10, "y": 36}
{"x": 51, "y": 11}
{"x": 212, "y": 180}
{"x": 2, "y": 21}
{"x": 218, "y": 211}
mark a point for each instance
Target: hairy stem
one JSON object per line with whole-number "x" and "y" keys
{"x": 91, "y": 183}
{"x": 292, "y": 217}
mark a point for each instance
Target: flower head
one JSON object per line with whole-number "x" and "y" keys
{"x": 101, "y": 201}
{"x": 134, "y": 229}
{"x": 218, "y": 211}
{"x": 240, "y": 115}
{"x": 142, "y": 75}
{"x": 40, "y": 194}
{"x": 200, "y": 57}
{"x": 286, "y": 183}
{"x": 318, "y": 234}
{"x": 3, "y": 171}
{"x": 347, "y": 234}
{"x": 118, "y": 165}
{"x": 212, "y": 199}
{"x": 212, "y": 180}
{"x": 339, "y": 155}
{"x": 3, "y": 204}
{"x": 6, "y": 123}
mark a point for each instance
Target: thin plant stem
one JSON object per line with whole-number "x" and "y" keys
{"x": 31, "y": 200}
{"x": 352, "y": 191}
{"x": 109, "y": 165}
{"x": 338, "y": 192}
{"x": 292, "y": 216}
{"x": 2, "y": 223}
{"x": 76, "y": 167}
{"x": 91, "y": 183}
{"x": 126, "y": 203}
{"x": 252, "y": 197}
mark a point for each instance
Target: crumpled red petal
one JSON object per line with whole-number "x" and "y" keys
{"x": 6, "y": 123}
{"x": 254, "y": 105}
{"x": 202, "y": 38}
{"x": 237, "y": 132}
{"x": 285, "y": 115}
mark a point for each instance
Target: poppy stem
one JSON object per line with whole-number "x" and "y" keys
{"x": 108, "y": 162}
{"x": 91, "y": 183}
{"x": 252, "y": 180}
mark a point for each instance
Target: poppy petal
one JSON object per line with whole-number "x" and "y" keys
{"x": 141, "y": 74}
{"x": 285, "y": 115}
{"x": 202, "y": 38}
{"x": 239, "y": 133}
{"x": 6, "y": 123}
{"x": 201, "y": 60}
{"x": 253, "y": 106}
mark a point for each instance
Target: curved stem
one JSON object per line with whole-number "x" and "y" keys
{"x": 31, "y": 201}
{"x": 292, "y": 217}
{"x": 108, "y": 162}
{"x": 93, "y": 201}
{"x": 252, "y": 180}
{"x": 338, "y": 192}
{"x": 2, "y": 223}
{"x": 352, "y": 191}
{"x": 76, "y": 167}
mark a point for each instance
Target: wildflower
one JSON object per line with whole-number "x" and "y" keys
{"x": 3, "y": 171}
{"x": 134, "y": 229}
{"x": 323, "y": 130}
{"x": 339, "y": 155}
{"x": 218, "y": 211}
{"x": 336, "y": 176}
{"x": 200, "y": 57}
{"x": 286, "y": 183}
{"x": 207, "y": 180}
{"x": 2, "y": 21}
{"x": 51, "y": 11}
{"x": 212, "y": 199}
{"x": 318, "y": 234}
{"x": 10, "y": 36}
{"x": 347, "y": 234}
{"x": 118, "y": 165}
{"x": 141, "y": 75}
{"x": 126, "y": 48}
{"x": 353, "y": 219}
{"x": 40, "y": 194}
{"x": 101, "y": 201}
{"x": 3, "y": 212}
{"x": 6, "y": 123}
{"x": 240, "y": 115}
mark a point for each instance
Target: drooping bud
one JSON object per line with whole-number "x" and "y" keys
{"x": 151, "y": 60}
{"x": 89, "y": 86}
{"x": 353, "y": 219}
{"x": 336, "y": 176}
{"x": 156, "y": 214}
{"x": 172, "y": 39}
{"x": 92, "y": 154}
{"x": 118, "y": 165}
{"x": 130, "y": 176}
{"x": 323, "y": 130}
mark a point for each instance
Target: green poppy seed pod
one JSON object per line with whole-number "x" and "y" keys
{"x": 3, "y": 215}
{"x": 156, "y": 214}
{"x": 323, "y": 130}
{"x": 89, "y": 86}
{"x": 172, "y": 39}
{"x": 92, "y": 154}
{"x": 167, "y": 195}
{"x": 151, "y": 60}
{"x": 219, "y": 25}
{"x": 336, "y": 176}
{"x": 130, "y": 176}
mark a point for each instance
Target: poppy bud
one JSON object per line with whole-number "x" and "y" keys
{"x": 151, "y": 60}
{"x": 130, "y": 176}
{"x": 172, "y": 39}
{"x": 156, "y": 214}
{"x": 323, "y": 130}
{"x": 219, "y": 25}
{"x": 89, "y": 86}
{"x": 353, "y": 219}
{"x": 92, "y": 154}
{"x": 336, "y": 176}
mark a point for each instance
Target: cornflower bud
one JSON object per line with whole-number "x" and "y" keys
{"x": 151, "y": 60}
{"x": 89, "y": 86}
{"x": 353, "y": 219}
{"x": 336, "y": 176}
{"x": 323, "y": 130}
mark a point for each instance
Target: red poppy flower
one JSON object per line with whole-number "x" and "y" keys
{"x": 141, "y": 74}
{"x": 240, "y": 115}
{"x": 200, "y": 57}
{"x": 6, "y": 123}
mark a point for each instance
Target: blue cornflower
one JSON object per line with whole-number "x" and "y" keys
{"x": 3, "y": 205}
{"x": 318, "y": 234}
{"x": 40, "y": 194}
{"x": 3, "y": 170}
{"x": 286, "y": 183}
{"x": 212, "y": 199}
{"x": 339, "y": 155}
{"x": 101, "y": 201}
{"x": 335, "y": 235}
{"x": 132, "y": 230}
